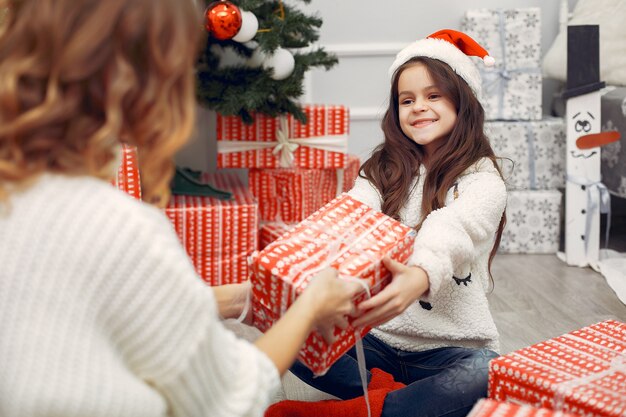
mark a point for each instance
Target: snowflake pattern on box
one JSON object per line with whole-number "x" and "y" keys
{"x": 533, "y": 222}
{"x": 512, "y": 88}
{"x": 532, "y": 152}
{"x": 614, "y": 155}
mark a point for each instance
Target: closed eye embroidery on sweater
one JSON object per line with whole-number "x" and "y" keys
{"x": 463, "y": 281}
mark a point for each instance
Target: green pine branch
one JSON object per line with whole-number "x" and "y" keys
{"x": 244, "y": 90}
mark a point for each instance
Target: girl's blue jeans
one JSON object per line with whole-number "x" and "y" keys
{"x": 440, "y": 382}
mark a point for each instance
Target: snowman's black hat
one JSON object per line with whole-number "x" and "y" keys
{"x": 583, "y": 60}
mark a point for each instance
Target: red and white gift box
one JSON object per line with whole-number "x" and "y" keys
{"x": 491, "y": 408}
{"x": 346, "y": 235}
{"x": 219, "y": 235}
{"x": 127, "y": 178}
{"x": 581, "y": 372}
{"x": 269, "y": 232}
{"x": 273, "y": 142}
{"x": 291, "y": 195}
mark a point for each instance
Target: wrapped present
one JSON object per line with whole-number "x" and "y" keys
{"x": 344, "y": 234}
{"x": 582, "y": 372}
{"x": 511, "y": 88}
{"x": 291, "y": 195}
{"x": 533, "y": 222}
{"x": 284, "y": 142}
{"x": 127, "y": 178}
{"x": 613, "y": 155}
{"x": 491, "y": 408}
{"x": 218, "y": 235}
{"x": 270, "y": 231}
{"x": 532, "y": 152}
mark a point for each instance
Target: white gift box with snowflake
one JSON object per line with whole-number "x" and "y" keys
{"x": 533, "y": 222}
{"x": 532, "y": 152}
{"x": 613, "y": 155}
{"x": 512, "y": 88}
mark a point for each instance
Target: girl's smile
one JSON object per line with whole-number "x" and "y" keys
{"x": 423, "y": 122}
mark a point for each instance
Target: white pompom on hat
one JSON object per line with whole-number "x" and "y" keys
{"x": 452, "y": 47}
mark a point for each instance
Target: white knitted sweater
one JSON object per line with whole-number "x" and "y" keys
{"x": 103, "y": 315}
{"x": 454, "y": 242}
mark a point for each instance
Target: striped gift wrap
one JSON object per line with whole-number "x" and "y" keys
{"x": 322, "y": 142}
{"x": 581, "y": 372}
{"x": 218, "y": 235}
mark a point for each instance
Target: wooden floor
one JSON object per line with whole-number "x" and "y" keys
{"x": 537, "y": 297}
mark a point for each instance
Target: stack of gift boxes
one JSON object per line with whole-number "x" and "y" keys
{"x": 531, "y": 147}
{"x": 294, "y": 169}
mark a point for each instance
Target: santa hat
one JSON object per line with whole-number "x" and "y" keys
{"x": 452, "y": 47}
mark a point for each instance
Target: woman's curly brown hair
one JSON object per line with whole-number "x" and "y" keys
{"x": 77, "y": 77}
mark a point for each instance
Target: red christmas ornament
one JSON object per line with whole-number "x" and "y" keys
{"x": 223, "y": 19}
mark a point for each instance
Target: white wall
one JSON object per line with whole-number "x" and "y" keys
{"x": 366, "y": 35}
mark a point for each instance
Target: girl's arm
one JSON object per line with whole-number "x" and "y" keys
{"x": 366, "y": 193}
{"x": 408, "y": 284}
{"x": 450, "y": 237}
{"x": 458, "y": 233}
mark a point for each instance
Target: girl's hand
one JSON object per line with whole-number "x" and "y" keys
{"x": 330, "y": 302}
{"x": 407, "y": 285}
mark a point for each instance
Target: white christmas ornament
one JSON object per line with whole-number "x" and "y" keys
{"x": 249, "y": 26}
{"x": 282, "y": 62}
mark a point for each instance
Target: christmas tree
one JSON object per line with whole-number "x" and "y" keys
{"x": 256, "y": 56}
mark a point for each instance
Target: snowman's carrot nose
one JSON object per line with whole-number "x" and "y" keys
{"x": 597, "y": 139}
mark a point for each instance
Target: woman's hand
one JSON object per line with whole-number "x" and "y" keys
{"x": 232, "y": 299}
{"x": 331, "y": 302}
{"x": 407, "y": 285}
{"x": 326, "y": 303}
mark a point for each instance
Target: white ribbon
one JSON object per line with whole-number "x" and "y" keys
{"x": 340, "y": 173}
{"x": 595, "y": 201}
{"x": 285, "y": 146}
{"x": 360, "y": 357}
{"x": 496, "y": 80}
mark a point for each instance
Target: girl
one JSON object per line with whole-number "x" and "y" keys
{"x": 436, "y": 172}
{"x": 101, "y": 311}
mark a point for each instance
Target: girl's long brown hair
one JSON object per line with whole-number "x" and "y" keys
{"x": 79, "y": 76}
{"x": 396, "y": 162}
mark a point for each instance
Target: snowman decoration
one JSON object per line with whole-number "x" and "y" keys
{"x": 585, "y": 195}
